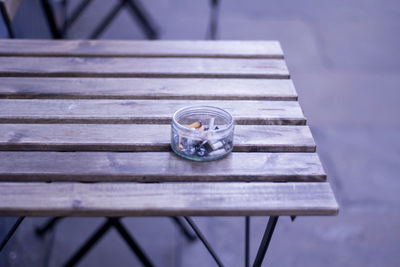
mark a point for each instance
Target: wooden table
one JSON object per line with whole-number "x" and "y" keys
{"x": 99, "y": 111}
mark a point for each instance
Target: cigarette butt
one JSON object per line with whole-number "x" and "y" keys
{"x": 217, "y": 153}
{"x": 211, "y": 124}
{"x": 180, "y": 143}
{"x": 216, "y": 146}
{"x": 194, "y": 125}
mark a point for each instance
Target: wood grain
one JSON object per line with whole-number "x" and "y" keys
{"x": 144, "y": 137}
{"x": 143, "y": 67}
{"x": 148, "y": 88}
{"x": 166, "y": 199}
{"x": 142, "y": 111}
{"x": 158, "y": 167}
{"x": 113, "y": 48}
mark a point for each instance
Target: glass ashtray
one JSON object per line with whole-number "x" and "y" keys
{"x": 202, "y": 133}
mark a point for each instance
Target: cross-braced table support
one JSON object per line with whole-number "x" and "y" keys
{"x": 122, "y": 231}
{"x": 100, "y": 232}
{"x": 178, "y": 221}
{"x": 262, "y": 250}
{"x": 115, "y": 222}
{"x": 11, "y": 232}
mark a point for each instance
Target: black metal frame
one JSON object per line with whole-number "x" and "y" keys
{"x": 262, "y": 250}
{"x": 136, "y": 10}
{"x": 204, "y": 241}
{"x": 247, "y": 242}
{"x": 115, "y": 222}
{"x": 11, "y": 232}
{"x": 7, "y": 20}
{"x": 112, "y": 222}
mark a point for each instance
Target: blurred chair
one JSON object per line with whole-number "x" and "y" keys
{"x": 8, "y": 9}
{"x": 213, "y": 27}
{"x": 134, "y": 7}
{"x": 136, "y": 10}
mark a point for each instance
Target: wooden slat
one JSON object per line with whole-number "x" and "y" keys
{"x": 146, "y": 88}
{"x": 144, "y": 137}
{"x": 143, "y": 67}
{"x": 85, "y": 95}
{"x": 158, "y": 167}
{"x": 141, "y": 111}
{"x": 108, "y": 48}
{"x": 166, "y": 199}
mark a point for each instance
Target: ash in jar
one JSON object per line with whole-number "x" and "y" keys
{"x": 202, "y": 141}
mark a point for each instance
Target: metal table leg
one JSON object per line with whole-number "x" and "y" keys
{"x": 11, "y": 232}
{"x": 185, "y": 231}
{"x": 205, "y": 242}
{"x": 265, "y": 240}
{"x": 89, "y": 243}
{"x": 100, "y": 233}
{"x": 247, "y": 242}
{"x": 40, "y": 231}
{"x": 131, "y": 242}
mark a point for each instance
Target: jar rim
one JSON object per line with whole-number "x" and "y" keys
{"x": 211, "y": 108}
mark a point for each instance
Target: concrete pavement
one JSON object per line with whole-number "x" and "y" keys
{"x": 344, "y": 60}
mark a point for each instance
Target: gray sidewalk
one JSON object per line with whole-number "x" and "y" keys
{"x": 345, "y": 63}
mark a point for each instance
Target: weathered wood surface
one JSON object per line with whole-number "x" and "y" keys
{"x": 108, "y": 104}
{"x": 142, "y": 111}
{"x": 111, "y": 48}
{"x": 11, "y": 7}
{"x": 148, "y": 88}
{"x": 143, "y": 67}
{"x": 166, "y": 199}
{"x": 144, "y": 137}
{"x": 158, "y": 167}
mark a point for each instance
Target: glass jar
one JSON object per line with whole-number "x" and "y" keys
{"x": 202, "y": 133}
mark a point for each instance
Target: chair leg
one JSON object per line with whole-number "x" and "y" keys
{"x": 139, "y": 13}
{"x": 51, "y": 21}
{"x": 107, "y": 20}
{"x": 213, "y": 27}
{"x": 7, "y": 20}
{"x": 76, "y": 13}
